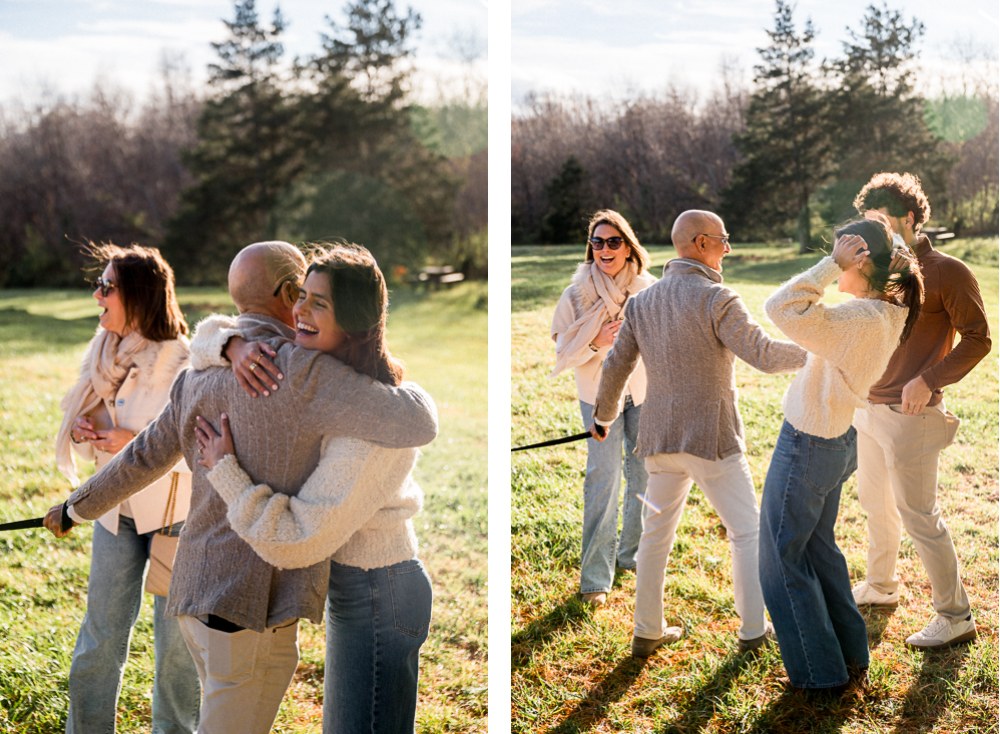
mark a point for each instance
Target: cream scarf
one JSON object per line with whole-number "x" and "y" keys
{"x": 598, "y": 299}
{"x": 105, "y": 365}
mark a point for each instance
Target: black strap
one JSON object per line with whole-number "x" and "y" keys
{"x": 554, "y": 441}
{"x": 22, "y": 524}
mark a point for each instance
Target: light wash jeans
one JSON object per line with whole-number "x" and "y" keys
{"x": 376, "y": 621}
{"x": 728, "y": 486}
{"x": 114, "y": 596}
{"x": 804, "y": 576}
{"x": 601, "y": 487}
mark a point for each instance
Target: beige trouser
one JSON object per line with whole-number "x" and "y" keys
{"x": 244, "y": 674}
{"x": 727, "y": 484}
{"x": 897, "y": 487}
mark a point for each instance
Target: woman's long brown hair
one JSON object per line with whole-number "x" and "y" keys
{"x": 360, "y": 305}
{"x": 905, "y": 284}
{"x": 145, "y": 282}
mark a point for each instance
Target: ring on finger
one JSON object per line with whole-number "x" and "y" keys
{"x": 253, "y": 366}
{"x": 257, "y": 361}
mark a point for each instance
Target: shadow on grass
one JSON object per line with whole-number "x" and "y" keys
{"x": 540, "y": 630}
{"x": 932, "y": 692}
{"x": 794, "y": 712}
{"x": 877, "y": 620}
{"x": 701, "y": 703}
{"x": 590, "y": 710}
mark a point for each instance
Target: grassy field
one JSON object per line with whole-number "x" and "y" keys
{"x": 442, "y": 338}
{"x": 571, "y": 666}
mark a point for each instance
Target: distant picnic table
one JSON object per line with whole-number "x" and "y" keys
{"x": 937, "y": 233}
{"x": 437, "y": 276}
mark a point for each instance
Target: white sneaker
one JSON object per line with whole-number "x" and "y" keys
{"x": 942, "y": 633}
{"x": 866, "y": 596}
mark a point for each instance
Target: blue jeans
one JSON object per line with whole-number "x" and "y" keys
{"x": 114, "y": 596}
{"x": 803, "y": 574}
{"x": 376, "y": 621}
{"x": 601, "y": 487}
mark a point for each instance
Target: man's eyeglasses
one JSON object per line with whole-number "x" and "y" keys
{"x": 295, "y": 287}
{"x": 104, "y": 285}
{"x": 723, "y": 237}
{"x": 597, "y": 244}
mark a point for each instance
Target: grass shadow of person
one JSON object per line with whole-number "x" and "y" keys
{"x": 590, "y": 710}
{"x": 542, "y": 628}
{"x": 931, "y": 694}
{"x": 800, "y": 712}
{"x": 700, "y": 704}
{"x": 877, "y": 620}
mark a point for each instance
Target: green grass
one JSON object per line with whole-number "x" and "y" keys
{"x": 571, "y": 668}
{"x": 442, "y": 338}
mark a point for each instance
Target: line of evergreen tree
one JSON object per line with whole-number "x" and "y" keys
{"x": 323, "y": 151}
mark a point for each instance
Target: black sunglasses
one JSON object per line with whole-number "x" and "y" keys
{"x": 104, "y": 285}
{"x": 597, "y": 244}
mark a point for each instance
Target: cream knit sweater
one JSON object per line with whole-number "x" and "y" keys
{"x": 356, "y": 506}
{"x": 849, "y": 347}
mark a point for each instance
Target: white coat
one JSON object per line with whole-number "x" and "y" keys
{"x": 142, "y": 395}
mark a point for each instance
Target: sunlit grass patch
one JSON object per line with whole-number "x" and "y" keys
{"x": 43, "y": 582}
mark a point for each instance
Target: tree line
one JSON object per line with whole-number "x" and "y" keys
{"x": 328, "y": 147}
{"x": 783, "y": 159}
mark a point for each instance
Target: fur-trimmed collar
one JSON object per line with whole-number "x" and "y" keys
{"x": 162, "y": 358}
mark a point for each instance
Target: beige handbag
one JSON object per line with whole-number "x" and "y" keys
{"x": 164, "y": 547}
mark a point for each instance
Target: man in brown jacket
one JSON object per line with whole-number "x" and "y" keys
{"x": 689, "y": 329}
{"x": 239, "y": 615}
{"x": 905, "y": 425}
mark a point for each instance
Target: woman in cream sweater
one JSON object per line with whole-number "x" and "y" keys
{"x": 355, "y": 508}
{"x": 124, "y": 383}
{"x": 584, "y": 326}
{"x": 822, "y": 636}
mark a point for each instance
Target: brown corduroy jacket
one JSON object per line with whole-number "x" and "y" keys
{"x": 278, "y": 442}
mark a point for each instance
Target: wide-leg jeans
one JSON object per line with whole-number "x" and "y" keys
{"x": 376, "y": 621}
{"x": 803, "y": 574}
{"x": 114, "y": 597}
{"x": 601, "y": 488}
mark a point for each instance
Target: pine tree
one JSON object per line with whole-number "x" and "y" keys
{"x": 247, "y": 152}
{"x": 564, "y": 221}
{"x": 785, "y": 143}
{"x": 877, "y": 115}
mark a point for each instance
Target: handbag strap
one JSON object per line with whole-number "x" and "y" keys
{"x": 168, "y": 511}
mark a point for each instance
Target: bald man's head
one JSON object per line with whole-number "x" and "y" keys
{"x": 259, "y": 269}
{"x": 701, "y": 235}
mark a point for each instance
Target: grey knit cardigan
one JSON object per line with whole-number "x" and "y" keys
{"x": 278, "y": 439}
{"x": 689, "y": 329}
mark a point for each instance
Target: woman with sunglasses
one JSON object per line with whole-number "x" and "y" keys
{"x": 355, "y": 509}
{"x": 586, "y": 321}
{"x": 125, "y": 379}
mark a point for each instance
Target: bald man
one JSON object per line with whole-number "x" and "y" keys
{"x": 689, "y": 328}
{"x": 239, "y": 615}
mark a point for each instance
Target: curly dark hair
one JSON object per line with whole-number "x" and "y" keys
{"x": 899, "y": 194}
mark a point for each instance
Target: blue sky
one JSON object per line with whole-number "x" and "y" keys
{"x": 64, "y": 45}
{"x": 615, "y": 46}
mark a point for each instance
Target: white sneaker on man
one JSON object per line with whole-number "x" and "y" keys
{"x": 943, "y": 633}
{"x": 866, "y": 596}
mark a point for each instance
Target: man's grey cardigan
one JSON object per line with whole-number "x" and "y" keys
{"x": 689, "y": 329}
{"x": 278, "y": 443}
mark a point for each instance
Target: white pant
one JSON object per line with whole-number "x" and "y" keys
{"x": 729, "y": 487}
{"x": 244, "y": 675}
{"x": 897, "y": 487}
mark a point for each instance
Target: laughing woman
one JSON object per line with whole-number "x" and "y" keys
{"x": 124, "y": 383}
{"x": 356, "y": 508}
{"x": 821, "y": 633}
{"x": 584, "y": 327}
